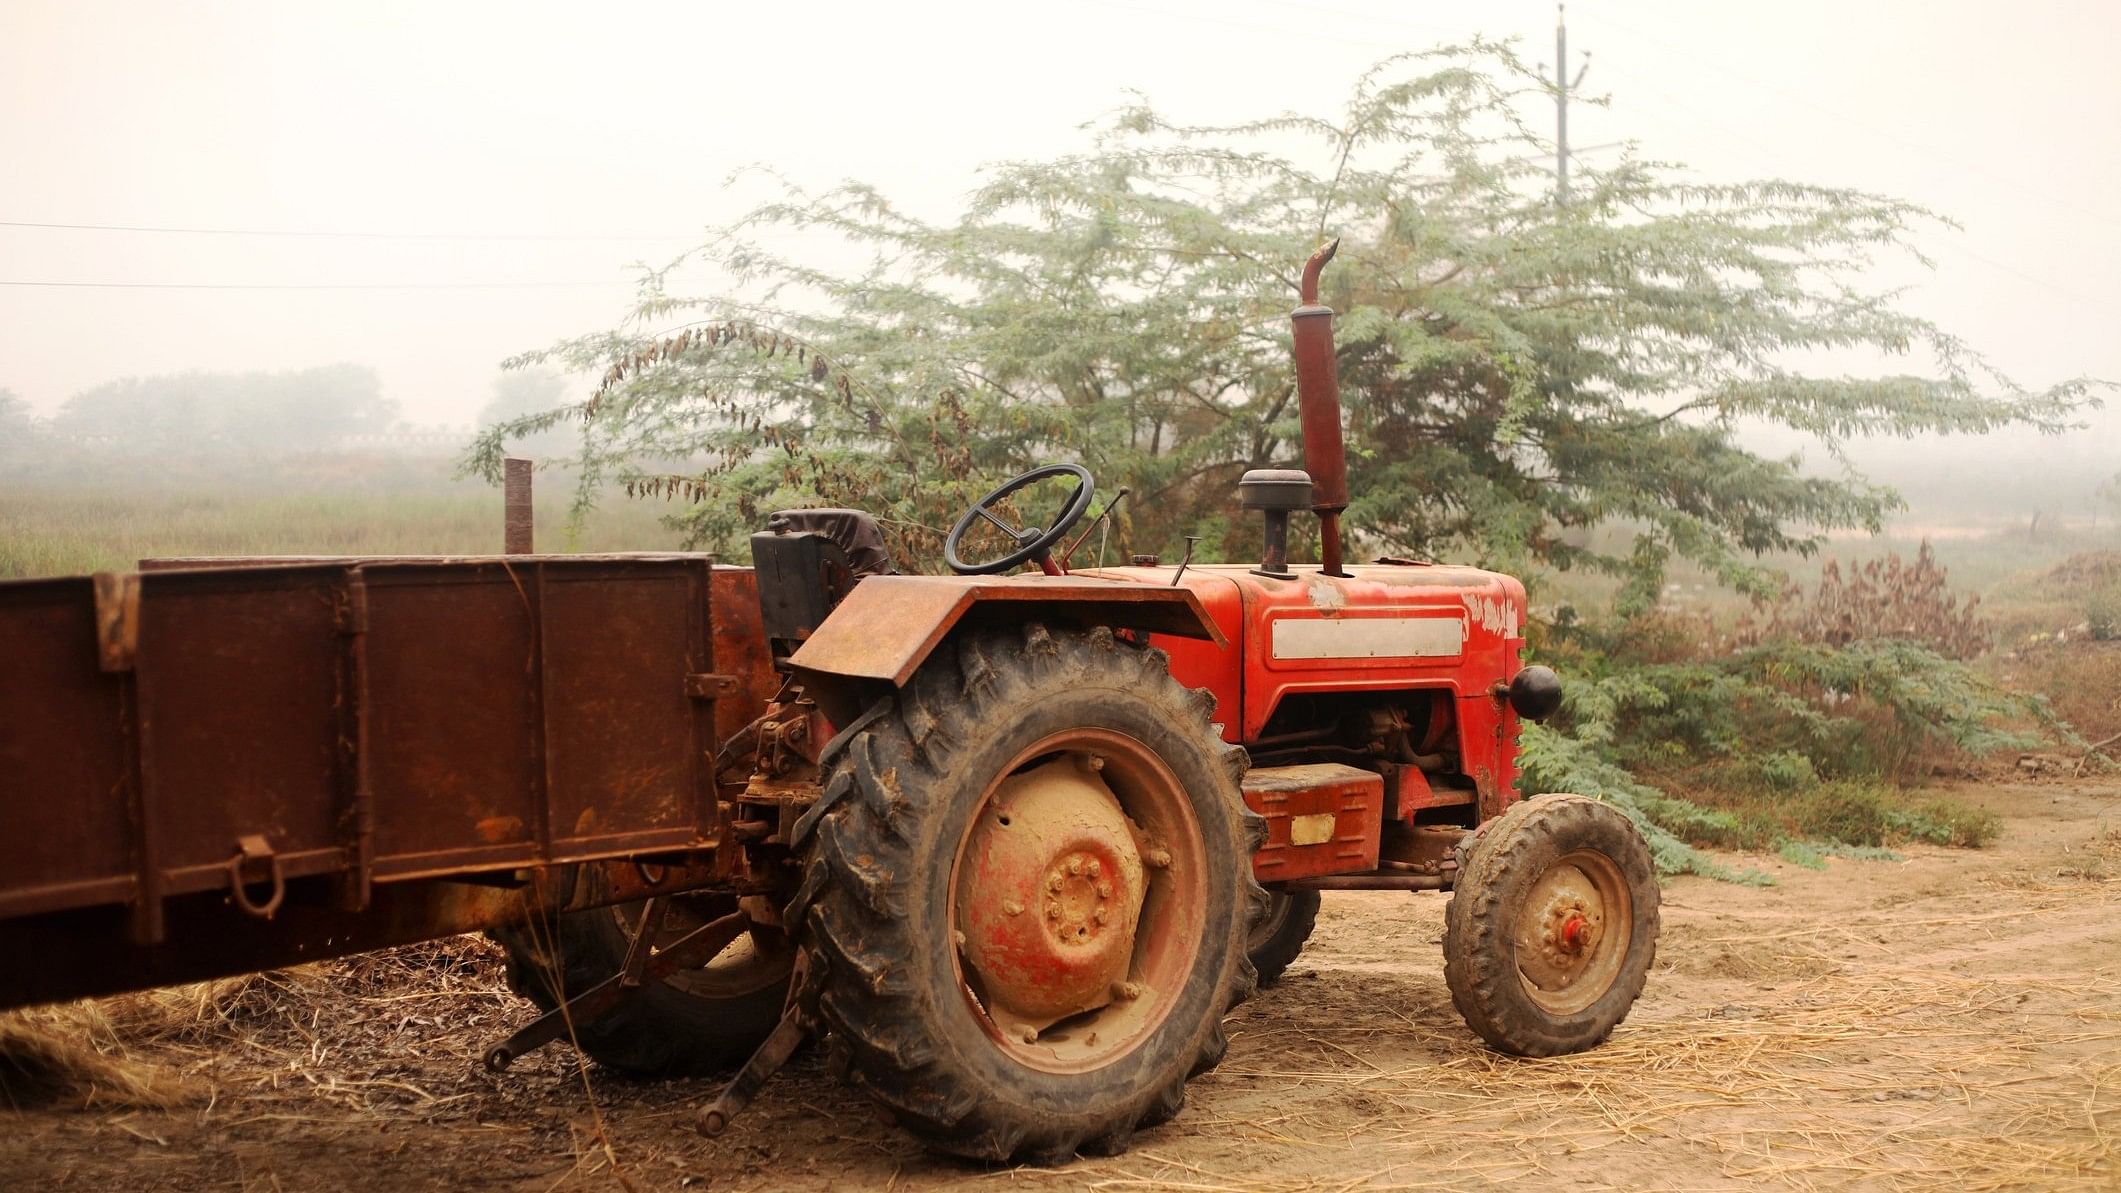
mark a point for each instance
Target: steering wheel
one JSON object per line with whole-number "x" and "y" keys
{"x": 1032, "y": 543}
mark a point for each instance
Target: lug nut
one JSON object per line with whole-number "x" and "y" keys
{"x": 1012, "y": 907}
{"x": 1053, "y": 910}
{"x": 1029, "y": 1035}
{"x": 1101, "y": 915}
{"x": 1075, "y": 866}
{"x": 1096, "y": 867}
{"x": 1053, "y": 882}
{"x": 960, "y": 938}
{"x": 1096, "y": 763}
{"x": 1104, "y": 890}
{"x": 1130, "y": 990}
{"x": 1158, "y": 858}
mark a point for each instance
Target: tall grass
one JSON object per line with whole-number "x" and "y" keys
{"x": 335, "y": 507}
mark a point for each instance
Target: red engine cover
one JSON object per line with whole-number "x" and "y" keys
{"x": 1383, "y": 628}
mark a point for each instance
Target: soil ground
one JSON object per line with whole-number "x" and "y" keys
{"x": 1945, "y": 1020}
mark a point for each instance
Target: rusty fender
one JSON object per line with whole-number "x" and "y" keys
{"x": 889, "y": 625}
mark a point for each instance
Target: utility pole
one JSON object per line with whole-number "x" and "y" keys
{"x": 1562, "y": 86}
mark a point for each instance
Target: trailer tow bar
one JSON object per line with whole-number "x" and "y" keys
{"x": 645, "y": 966}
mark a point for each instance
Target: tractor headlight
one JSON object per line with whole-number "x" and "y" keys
{"x": 1535, "y": 693}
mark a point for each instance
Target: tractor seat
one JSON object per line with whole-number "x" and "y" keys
{"x": 856, "y": 533}
{"x": 807, "y": 560}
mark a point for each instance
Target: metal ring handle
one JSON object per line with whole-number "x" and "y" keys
{"x": 245, "y": 851}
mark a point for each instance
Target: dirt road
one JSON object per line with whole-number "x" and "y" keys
{"x": 1947, "y": 1020}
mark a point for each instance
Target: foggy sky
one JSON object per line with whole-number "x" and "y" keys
{"x": 621, "y": 122}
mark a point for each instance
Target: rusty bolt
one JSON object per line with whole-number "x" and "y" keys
{"x": 1052, "y": 910}
{"x": 1158, "y": 858}
{"x": 1075, "y": 866}
{"x": 1096, "y": 763}
{"x": 1130, "y": 990}
{"x": 1101, "y": 915}
{"x": 1096, "y": 867}
{"x": 1104, "y": 890}
{"x": 1029, "y": 1035}
{"x": 1053, "y": 882}
{"x": 1012, "y": 907}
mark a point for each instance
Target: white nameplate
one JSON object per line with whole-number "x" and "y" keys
{"x": 1368, "y": 637}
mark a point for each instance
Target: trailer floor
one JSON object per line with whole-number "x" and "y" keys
{"x": 1951, "y": 1017}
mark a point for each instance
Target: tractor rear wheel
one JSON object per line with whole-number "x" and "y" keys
{"x": 703, "y": 1020}
{"x": 1027, "y": 890}
{"x": 1552, "y": 926}
{"x": 1279, "y": 938}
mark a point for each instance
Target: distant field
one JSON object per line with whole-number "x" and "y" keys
{"x": 52, "y": 528}
{"x": 61, "y": 525}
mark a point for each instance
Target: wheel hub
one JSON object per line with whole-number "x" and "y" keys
{"x": 1052, "y": 894}
{"x": 1563, "y": 950}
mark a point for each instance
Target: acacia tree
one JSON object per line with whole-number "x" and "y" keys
{"x": 1516, "y": 374}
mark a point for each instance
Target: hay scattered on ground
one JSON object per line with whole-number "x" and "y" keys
{"x": 1814, "y": 1092}
{"x": 71, "y": 1055}
{"x": 160, "y": 1048}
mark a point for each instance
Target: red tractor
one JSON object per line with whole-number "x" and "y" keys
{"x": 1012, "y": 846}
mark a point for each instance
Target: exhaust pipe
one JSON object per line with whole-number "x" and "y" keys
{"x": 1318, "y": 399}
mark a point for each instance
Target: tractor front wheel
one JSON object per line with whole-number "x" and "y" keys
{"x": 1027, "y": 891}
{"x": 1552, "y": 926}
{"x": 1279, "y": 938}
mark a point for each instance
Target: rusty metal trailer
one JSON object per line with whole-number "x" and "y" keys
{"x": 209, "y": 770}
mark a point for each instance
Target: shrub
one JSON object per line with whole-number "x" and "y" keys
{"x": 1889, "y": 598}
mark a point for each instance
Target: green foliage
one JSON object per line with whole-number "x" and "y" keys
{"x": 1553, "y": 761}
{"x": 1812, "y": 855}
{"x": 1515, "y": 373}
{"x": 1779, "y": 715}
{"x": 1782, "y": 745}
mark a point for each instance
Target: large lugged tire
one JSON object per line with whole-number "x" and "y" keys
{"x": 974, "y": 877}
{"x": 1279, "y": 938}
{"x": 706, "y": 1020}
{"x": 1552, "y": 926}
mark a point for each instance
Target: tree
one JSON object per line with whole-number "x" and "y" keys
{"x": 1516, "y": 373}
{"x": 17, "y": 428}
{"x": 522, "y": 393}
{"x": 246, "y": 413}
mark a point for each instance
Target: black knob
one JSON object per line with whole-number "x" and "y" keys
{"x": 1536, "y": 693}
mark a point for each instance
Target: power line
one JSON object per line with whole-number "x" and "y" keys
{"x": 307, "y": 285}
{"x": 345, "y": 235}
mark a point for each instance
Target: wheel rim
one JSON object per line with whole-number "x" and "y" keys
{"x": 1574, "y": 929}
{"x": 1078, "y": 901}
{"x": 755, "y": 960}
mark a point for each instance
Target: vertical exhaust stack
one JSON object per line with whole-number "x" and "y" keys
{"x": 1318, "y": 398}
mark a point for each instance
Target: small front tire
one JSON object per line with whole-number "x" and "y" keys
{"x": 1552, "y": 926}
